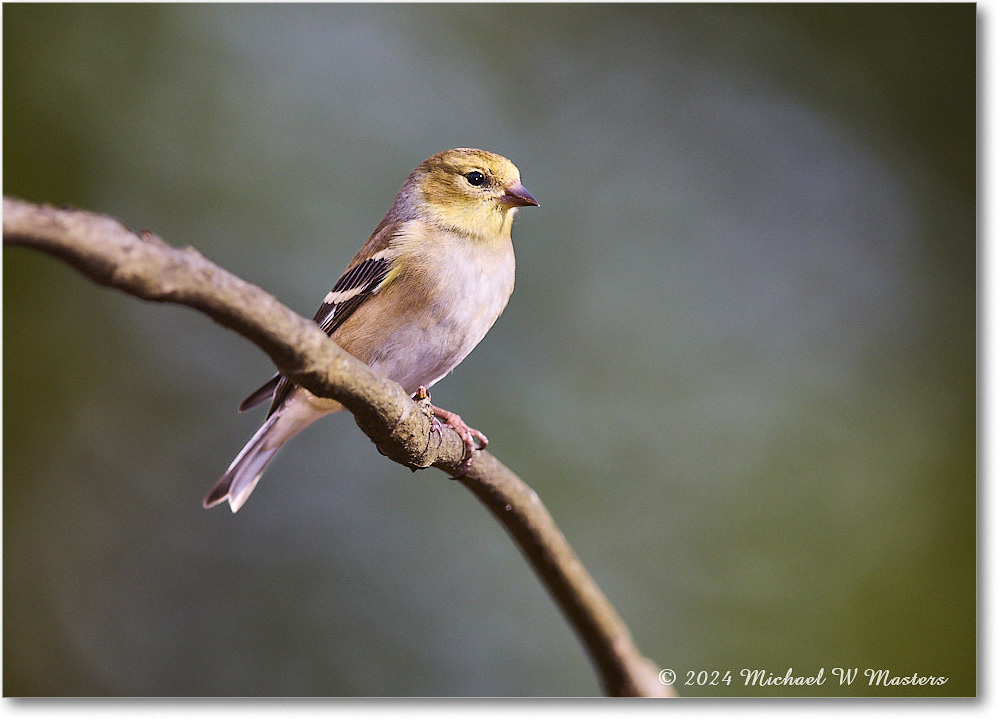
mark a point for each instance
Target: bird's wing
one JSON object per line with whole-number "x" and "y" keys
{"x": 366, "y": 274}
{"x": 261, "y": 394}
{"x": 355, "y": 285}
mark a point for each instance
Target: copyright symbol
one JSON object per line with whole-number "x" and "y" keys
{"x": 667, "y": 676}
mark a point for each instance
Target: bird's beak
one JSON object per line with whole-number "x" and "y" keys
{"x": 516, "y": 196}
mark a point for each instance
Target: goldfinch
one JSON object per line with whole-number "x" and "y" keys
{"x": 417, "y": 298}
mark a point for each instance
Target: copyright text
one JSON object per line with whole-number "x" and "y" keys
{"x": 838, "y": 675}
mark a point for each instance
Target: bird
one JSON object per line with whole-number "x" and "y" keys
{"x": 422, "y": 292}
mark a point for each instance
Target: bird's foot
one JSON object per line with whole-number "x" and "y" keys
{"x": 474, "y": 440}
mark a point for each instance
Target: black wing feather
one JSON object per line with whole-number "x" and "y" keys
{"x": 261, "y": 394}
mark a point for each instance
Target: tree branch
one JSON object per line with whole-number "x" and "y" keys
{"x": 144, "y": 266}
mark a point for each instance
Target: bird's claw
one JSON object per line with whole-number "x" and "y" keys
{"x": 473, "y": 439}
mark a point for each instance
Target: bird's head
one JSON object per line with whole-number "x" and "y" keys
{"x": 472, "y": 191}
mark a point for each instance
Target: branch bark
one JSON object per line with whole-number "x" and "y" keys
{"x": 145, "y": 266}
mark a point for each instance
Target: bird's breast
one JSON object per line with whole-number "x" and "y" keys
{"x": 452, "y": 297}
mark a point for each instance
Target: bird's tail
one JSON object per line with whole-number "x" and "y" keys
{"x": 295, "y": 413}
{"x": 238, "y": 482}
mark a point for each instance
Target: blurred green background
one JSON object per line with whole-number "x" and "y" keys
{"x": 739, "y": 365}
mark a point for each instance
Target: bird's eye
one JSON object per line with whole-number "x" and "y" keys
{"x": 475, "y": 178}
